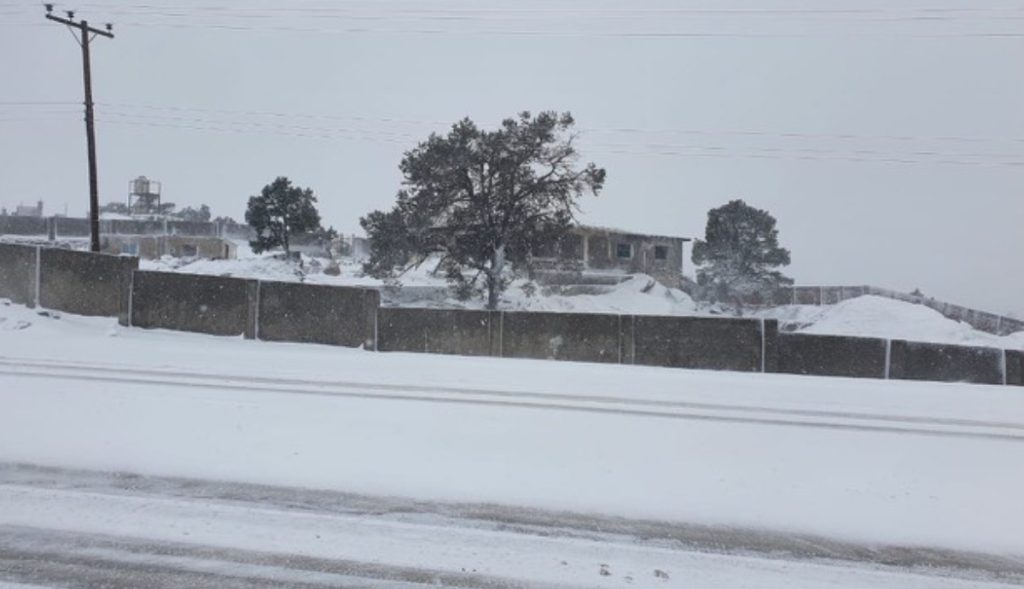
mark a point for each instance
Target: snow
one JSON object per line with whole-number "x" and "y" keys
{"x": 874, "y": 316}
{"x": 532, "y": 560}
{"x": 875, "y": 462}
{"x": 639, "y": 294}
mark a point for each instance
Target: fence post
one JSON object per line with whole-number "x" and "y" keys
{"x": 376, "y": 325}
{"x": 131, "y": 297}
{"x": 1002, "y": 366}
{"x": 39, "y": 265}
{"x": 252, "y": 297}
{"x": 888, "y": 357}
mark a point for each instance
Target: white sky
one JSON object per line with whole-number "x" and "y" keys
{"x": 886, "y": 137}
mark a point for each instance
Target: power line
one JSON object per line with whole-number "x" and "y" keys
{"x": 859, "y": 156}
{"x": 575, "y": 11}
{"x": 220, "y": 17}
{"x": 127, "y": 109}
{"x": 563, "y": 33}
{"x": 624, "y": 130}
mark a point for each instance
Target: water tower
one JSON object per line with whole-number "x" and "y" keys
{"x": 143, "y": 196}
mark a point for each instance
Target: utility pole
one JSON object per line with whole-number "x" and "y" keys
{"x": 87, "y": 35}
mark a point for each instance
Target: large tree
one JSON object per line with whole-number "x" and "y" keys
{"x": 740, "y": 253}
{"x": 279, "y": 211}
{"x": 481, "y": 199}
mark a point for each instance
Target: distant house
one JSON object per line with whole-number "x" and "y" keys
{"x": 35, "y": 210}
{"x": 590, "y": 252}
{"x": 151, "y": 247}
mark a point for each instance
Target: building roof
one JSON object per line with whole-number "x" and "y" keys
{"x": 632, "y": 233}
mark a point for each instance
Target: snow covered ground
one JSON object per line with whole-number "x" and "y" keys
{"x": 906, "y": 467}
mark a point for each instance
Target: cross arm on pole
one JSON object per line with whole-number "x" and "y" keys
{"x": 107, "y": 32}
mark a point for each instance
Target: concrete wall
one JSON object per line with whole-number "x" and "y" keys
{"x": 581, "y": 337}
{"x": 439, "y": 331}
{"x": 70, "y": 227}
{"x": 151, "y": 247}
{"x": 340, "y": 316}
{"x": 132, "y": 226}
{"x": 699, "y": 342}
{"x": 18, "y": 273}
{"x": 97, "y": 284}
{"x": 828, "y": 355}
{"x": 193, "y": 228}
{"x": 921, "y": 361}
{"x": 12, "y": 225}
{"x": 85, "y": 283}
{"x": 1014, "y": 367}
{"x": 190, "y": 302}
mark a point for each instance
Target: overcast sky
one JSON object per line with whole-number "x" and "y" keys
{"x": 886, "y": 137}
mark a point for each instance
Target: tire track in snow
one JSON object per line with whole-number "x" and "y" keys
{"x": 756, "y": 409}
{"x": 860, "y": 422}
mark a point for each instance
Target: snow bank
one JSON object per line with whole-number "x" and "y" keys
{"x": 874, "y": 316}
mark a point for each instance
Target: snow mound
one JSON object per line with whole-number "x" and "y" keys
{"x": 874, "y": 316}
{"x": 263, "y": 268}
{"x": 638, "y": 295}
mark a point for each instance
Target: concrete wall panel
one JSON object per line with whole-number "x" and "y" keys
{"x": 1014, "y": 367}
{"x": 192, "y": 228}
{"x": 946, "y": 363}
{"x": 84, "y": 283}
{"x": 70, "y": 227}
{"x": 12, "y": 225}
{"x": 438, "y": 331}
{"x": 699, "y": 342}
{"x": 806, "y": 295}
{"x": 18, "y": 273}
{"x": 580, "y": 337}
{"x": 831, "y": 355}
{"x": 311, "y": 313}
{"x": 191, "y": 302}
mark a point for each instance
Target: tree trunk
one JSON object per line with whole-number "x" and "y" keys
{"x": 494, "y": 277}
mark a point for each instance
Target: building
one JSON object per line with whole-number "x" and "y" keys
{"x": 588, "y": 253}
{"x": 151, "y": 247}
{"x": 35, "y": 210}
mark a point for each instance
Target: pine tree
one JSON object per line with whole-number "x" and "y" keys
{"x": 740, "y": 254}
{"x": 481, "y": 199}
{"x": 279, "y": 211}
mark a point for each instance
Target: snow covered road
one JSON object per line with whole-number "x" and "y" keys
{"x": 68, "y": 528}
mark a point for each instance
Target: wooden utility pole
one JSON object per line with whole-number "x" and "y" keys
{"x": 87, "y": 35}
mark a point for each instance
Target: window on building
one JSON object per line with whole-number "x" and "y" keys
{"x": 660, "y": 252}
{"x": 130, "y": 249}
{"x": 189, "y": 251}
{"x": 624, "y": 251}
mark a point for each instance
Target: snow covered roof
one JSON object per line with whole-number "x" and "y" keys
{"x": 598, "y": 228}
